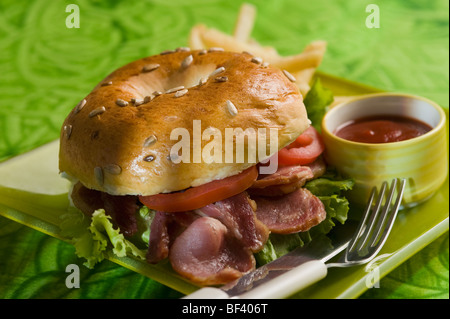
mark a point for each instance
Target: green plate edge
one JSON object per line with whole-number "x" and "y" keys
{"x": 414, "y": 229}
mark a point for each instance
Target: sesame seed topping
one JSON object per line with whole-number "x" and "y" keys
{"x": 246, "y": 52}
{"x": 121, "y": 102}
{"x": 106, "y": 83}
{"x": 202, "y": 52}
{"x": 256, "y": 60}
{"x": 68, "y": 130}
{"x": 80, "y": 106}
{"x": 215, "y": 49}
{"x": 183, "y": 49}
{"x": 150, "y": 140}
{"x": 157, "y": 93}
{"x": 231, "y": 108}
{"x": 149, "y": 158}
{"x": 138, "y": 102}
{"x": 202, "y": 81}
{"x": 97, "y": 111}
{"x": 167, "y": 52}
{"x": 180, "y": 93}
{"x": 187, "y": 61}
{"x": 217, "y": 71}
{"x": 150, "y": 67}
{"x": 147, "y": 98}
{"x": 172, "y": 90}
{"x": 221, "y": 79}
{"x": 170, "y": 118}
{"x": 112, "y": 169}
{"x": 265, "y": 64}
{"x": 289, "y": 76}
{"x": 98, "y": 174}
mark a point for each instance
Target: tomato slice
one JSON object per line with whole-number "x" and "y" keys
{"x": 304, "y": 150}
{"x": 200, "y": 196}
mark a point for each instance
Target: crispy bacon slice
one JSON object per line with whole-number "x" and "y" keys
{"x": 238, "y": 215}
{"x": 318, "y": 167}
{"x": 158, "y": 248}
{"x": 290, "y": 213}
{"x": 122, "y": 209}
{"x": 164, "y": 230}
{"x": 287, "y": 179}
{"x": 207, "y": 254}
{"x": 284, "y": 175}
{"x": 85, "y": 199}
{"x": 212, "y": 245}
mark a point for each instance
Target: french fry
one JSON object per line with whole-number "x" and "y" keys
{"x": 302, "y": 66}
{"x": 306, "y": 75}
{"x": 303, "y": 87}
{"x": 244, "y": 22}
{"x": 271, "y": 51}
{"x": 316, "y": 45}
{"x": 304, "y": 60}
{"x": 215, "y": 38}
{"x": 303, "y": 79}
{"x": 195, "y": 39}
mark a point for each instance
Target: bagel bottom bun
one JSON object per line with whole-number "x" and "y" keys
{"x": 118, "y": 139}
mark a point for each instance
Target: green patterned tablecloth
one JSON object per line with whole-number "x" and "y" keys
{"x": 45, "y": 68}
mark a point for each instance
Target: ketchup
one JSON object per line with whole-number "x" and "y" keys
{"x": 382, "y": 129}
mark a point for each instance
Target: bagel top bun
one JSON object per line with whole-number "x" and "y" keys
{"x": 118, "y": 139}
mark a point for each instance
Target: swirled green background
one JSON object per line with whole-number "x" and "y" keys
{"x": 45, "y": 68}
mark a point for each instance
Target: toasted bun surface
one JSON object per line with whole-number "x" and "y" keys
{"x": 125, "y": 149}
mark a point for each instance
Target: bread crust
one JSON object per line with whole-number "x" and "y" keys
{"x": 108, "y": 147}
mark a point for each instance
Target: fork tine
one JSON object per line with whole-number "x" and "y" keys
{"x": 363, "y": 221}
{"x": 368, "y": 227}
{"x": 385, "y": 213}
{"x": 395, "y": 209}
{"x": 357, "y": 251}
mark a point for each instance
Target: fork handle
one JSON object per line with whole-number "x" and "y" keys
{"x": 282, "y": 286}
{"x": 290, "y": 282}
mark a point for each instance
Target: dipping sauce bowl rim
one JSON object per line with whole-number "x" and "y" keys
{"x": 435, "y": 130}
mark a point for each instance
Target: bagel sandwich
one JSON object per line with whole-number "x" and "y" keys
{"x": 197, "y": 204}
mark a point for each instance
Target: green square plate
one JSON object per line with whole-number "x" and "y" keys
{"x": 30, "y": 187}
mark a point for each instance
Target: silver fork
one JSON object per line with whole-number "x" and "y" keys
{"x": 298, "y": 270}
{"x": 375, "y": 225}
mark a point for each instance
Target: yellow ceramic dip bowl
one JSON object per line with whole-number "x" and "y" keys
{"x": 421, "y": 160}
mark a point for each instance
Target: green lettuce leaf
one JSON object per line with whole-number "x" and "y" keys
{"x": 94, "y": 238}
{"x": 277, "y": 246}
{"x": 144, "y": 218}
{"x": 329, "y": 184}
{"x": 316, "y": 102}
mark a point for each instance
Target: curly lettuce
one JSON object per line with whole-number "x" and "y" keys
{"x": 94, "y": 237}
{"x": 316, "y": 103}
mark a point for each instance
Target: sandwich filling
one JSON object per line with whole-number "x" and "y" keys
{"x": 216, "y": 243}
